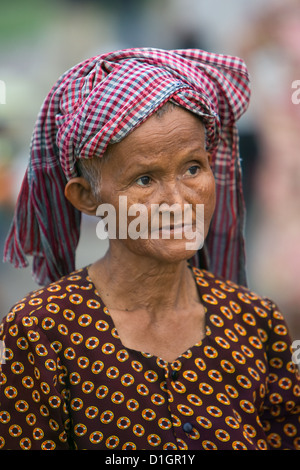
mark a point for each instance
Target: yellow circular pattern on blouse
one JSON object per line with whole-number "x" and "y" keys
{"x": 68, "y": 375}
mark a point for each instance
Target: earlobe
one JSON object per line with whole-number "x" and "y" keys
{"x": 78, "y": 191}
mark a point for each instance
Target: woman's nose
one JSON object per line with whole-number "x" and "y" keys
{"x": 170, "y": 193}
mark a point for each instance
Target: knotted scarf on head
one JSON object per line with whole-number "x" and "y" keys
{"x": 100, "y": 101}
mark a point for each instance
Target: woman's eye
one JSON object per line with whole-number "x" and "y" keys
{"x": 143, "y": 180}
{"x": 193, "y": 170}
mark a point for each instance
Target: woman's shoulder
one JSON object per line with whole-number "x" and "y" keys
{"x": 53, "y": 299}
{"x": 240, "y": 309}
{"x": 221, "y": 291}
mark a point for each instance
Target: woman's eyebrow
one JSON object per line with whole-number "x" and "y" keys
{"x": 140, "y": 168}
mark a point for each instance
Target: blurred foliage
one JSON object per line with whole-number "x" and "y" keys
{"x": 24, "y": 18}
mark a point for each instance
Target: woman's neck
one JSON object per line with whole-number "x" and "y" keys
{"x": 129, "y": 282}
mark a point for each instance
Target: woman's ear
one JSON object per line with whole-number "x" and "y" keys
{"x": 78, "y": 191}
{"x": 209, "y": 157}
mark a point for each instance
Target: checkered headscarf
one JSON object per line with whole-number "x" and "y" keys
{"x": 98, "y": 102}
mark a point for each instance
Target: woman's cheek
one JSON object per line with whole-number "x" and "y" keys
{"x": 209, "y": 201}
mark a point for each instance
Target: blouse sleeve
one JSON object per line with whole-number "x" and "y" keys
{"x": 281, "y": 413}
{"x": 33, "y": 411}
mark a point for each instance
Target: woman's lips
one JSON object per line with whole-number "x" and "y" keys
{"x": 175, "y": 229}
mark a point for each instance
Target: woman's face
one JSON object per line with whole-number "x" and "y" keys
{"x": 162, "y": 163}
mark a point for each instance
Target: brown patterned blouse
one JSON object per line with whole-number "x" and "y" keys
{"x": 69, "y": 383}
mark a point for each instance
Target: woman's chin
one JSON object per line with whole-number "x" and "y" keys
{"x": 171, "y": 251}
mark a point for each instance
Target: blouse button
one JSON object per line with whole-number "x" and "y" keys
{"x": 174, "y": 374}
{"x": 187, "y": 427}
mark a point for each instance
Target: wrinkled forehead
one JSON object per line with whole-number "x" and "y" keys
{"x": 171, "y": 129}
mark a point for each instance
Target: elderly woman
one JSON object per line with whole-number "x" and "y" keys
{"x": 158, "y": 345}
